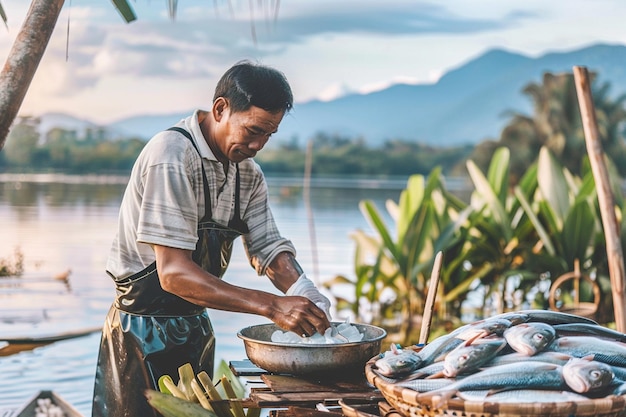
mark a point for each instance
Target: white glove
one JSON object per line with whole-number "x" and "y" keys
{"x": 304, "y": 287}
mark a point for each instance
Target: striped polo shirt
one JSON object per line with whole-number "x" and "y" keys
{"x": 164, "y": 200}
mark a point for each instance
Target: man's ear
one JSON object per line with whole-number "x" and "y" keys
{"x": 219, "y": 107}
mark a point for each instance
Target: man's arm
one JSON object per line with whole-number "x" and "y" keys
{"x": 181, "y": 276}
{"x": 284, "y": 271}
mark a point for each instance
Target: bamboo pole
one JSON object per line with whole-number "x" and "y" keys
{"x": 605, "y": 195}
{"x": 308, "y": 164}
{"x": 23, "y": 60}
{"x": 430, "y": 299}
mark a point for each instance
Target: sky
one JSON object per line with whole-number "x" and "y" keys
{"x": 99, "y": 68}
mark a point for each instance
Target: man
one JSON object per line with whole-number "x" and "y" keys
{"x": 193, "y": 189}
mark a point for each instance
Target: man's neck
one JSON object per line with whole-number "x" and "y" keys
{"x": 204, "y": 120}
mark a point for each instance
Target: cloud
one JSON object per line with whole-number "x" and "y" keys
{"x": 321, "y": 45}
{"x": 202, "y": 41}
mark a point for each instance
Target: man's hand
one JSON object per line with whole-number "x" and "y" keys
{"x": 299, "y": 315}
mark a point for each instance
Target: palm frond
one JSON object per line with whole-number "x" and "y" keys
{"x": 3, "y": 15}
{"x": 172, "y": 5}
{"x": 125, "y": 10}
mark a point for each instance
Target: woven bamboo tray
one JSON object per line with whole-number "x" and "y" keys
{"x": 358, "y": 410}
{"x": 404, "y": 400}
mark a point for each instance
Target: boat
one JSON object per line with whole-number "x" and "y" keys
{"x": 46, "y": 401}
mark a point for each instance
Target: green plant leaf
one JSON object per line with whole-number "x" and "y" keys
{"x": 489, "y": 200}
{"x": 553, "y": 185}
{"x": 3, "y": 16}
{"x": 455, "y": 293}
{"x": 498, "y": 174}
{"x": 587, "y": 189}
{"x": 373, "y": 216}
{"x": 410, "y": 200}
{"x": 577, "y": 232}
{"x": 543, "y": 234}
{"x": 125, "y": 10}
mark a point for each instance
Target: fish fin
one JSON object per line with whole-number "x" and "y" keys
{"x": 439, "y": 374}
{"x": 588, "y": 357}
{"x": 479, "y": 335}
{"x": 496, "y": 391}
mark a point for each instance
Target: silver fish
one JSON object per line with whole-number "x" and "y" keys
{"x": 432, "y": 370}
{"x": 482, "y": 328}
{"x": 555, "y": 358}
{"x": 586, "y": 329}
{"x": 521, "y": 375}
{"x": 620, "y": 389}
{"x": 469, "y": 357}
{"x": 522, "y": 396}
{"x": 554, "y": 317}
{"x": 514, "y": 317}
{"x": 619, "y": 372}
{"x": 397, "y": 362}
{"x": 438, "y": 349}
{"x": 602, "y": 350}
{"x": 584, "y": 375}
{"x": 425, "y": 385}
{"x": 530, "y": 338}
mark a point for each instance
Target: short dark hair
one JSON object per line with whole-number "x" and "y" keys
{"x": 248, "y": 84}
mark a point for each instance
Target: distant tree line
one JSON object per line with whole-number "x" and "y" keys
{"x": 339, "y": 155}
{"x": 555, "y": 123}
{"x": 65, "y": 151}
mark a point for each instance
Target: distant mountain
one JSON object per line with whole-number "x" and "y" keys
{"x": 146, "y": 126}
{"x": 466, "y": 106}
{"x": 50, "y": 121}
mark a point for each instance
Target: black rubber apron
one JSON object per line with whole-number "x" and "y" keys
{"x": 150, "y": 332}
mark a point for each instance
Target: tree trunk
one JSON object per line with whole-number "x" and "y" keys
{"x": 24, "y": 58}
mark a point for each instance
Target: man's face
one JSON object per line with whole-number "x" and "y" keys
{"x": 243, "y": 134}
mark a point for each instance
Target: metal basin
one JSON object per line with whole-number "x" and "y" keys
{"x": 310, "y": 359}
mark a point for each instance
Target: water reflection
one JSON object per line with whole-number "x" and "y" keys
{"x": 68, "y": 223}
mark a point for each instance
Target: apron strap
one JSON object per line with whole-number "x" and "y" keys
{"x": 208, "y": 213}
{"x": 236, "y": 222}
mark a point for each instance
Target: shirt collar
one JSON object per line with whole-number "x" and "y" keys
{"x": 193, "y": 126}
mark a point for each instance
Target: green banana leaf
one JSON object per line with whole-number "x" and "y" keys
{"x": 578, "y": 231}
{"x": 490, "y": 200}
{"x": 370, "y": 248}
{"x": 541, "y": 231}
{"x": 369, "y": 210}
{"x": 410, "y": 200}
{"x": 587, "y": 189}
{"x": 456, "y": 292}
{"x": 498, "y": 173}
{"x": 553, "y": 186}
{"x": 418, "y": 241}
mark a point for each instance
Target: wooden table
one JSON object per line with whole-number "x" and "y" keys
{"x": 287, "y": 395}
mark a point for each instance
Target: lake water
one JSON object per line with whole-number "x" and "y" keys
{"x": 63, "y": 223}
